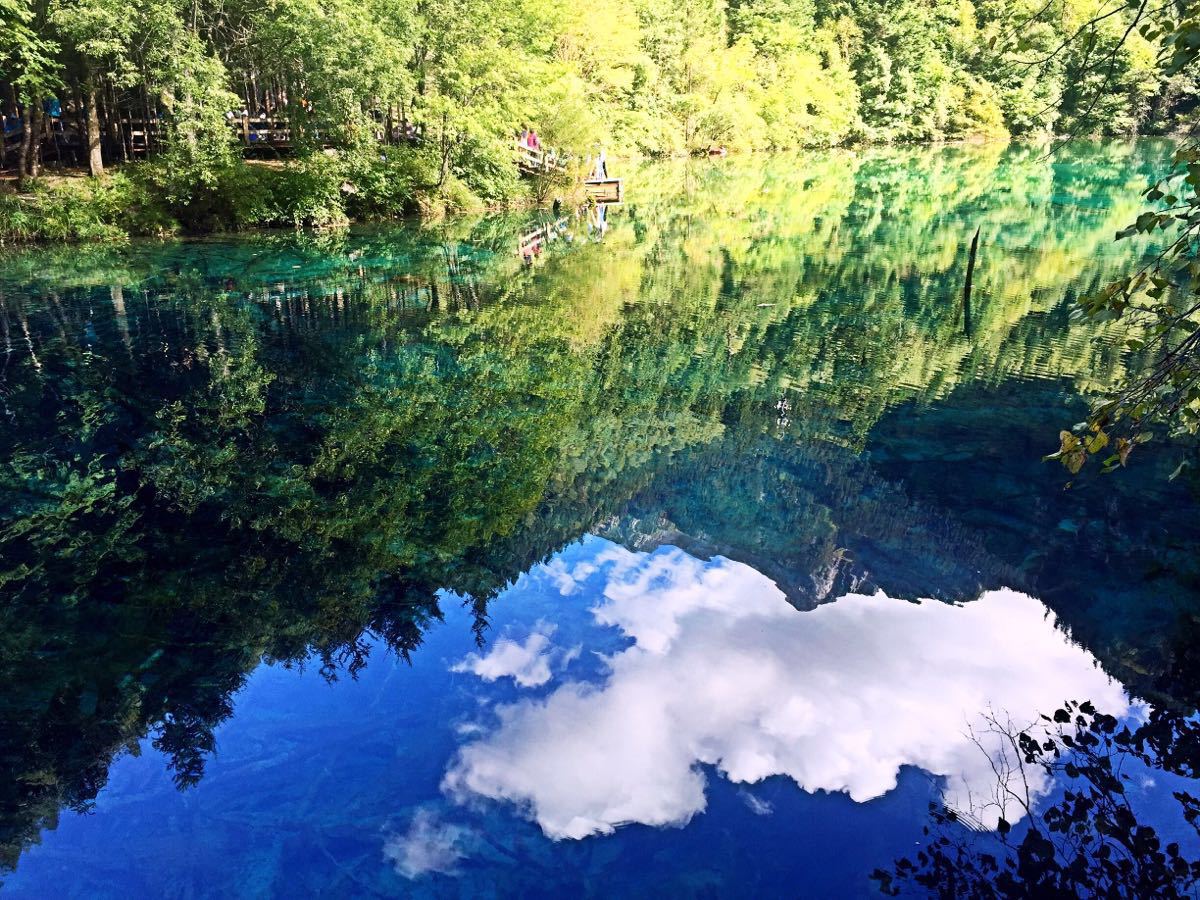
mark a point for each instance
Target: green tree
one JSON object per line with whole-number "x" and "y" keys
{"x": 1159, "y": 301}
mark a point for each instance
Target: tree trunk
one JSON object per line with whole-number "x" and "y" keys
{"x": 79, "y": 109}
{"x": 110, "y": 118}
{"x": 445, "y": 145}
{"x": 146, "y": 118}
{"x": 26, "y": 143}
{"x": 12, "y": 111}
{"x": 92, "y": 128}
{"x": 34, "y": 158}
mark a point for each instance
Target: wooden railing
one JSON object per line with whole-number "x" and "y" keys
{"x": 258, "y": 131}
{"x": 138, "y": 137}
{"x": 538, "y": 160}
{"x": 531, "y": 242}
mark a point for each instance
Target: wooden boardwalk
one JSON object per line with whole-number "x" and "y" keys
{"x": 545, "y": 160}
{"x": 133, "y": 138}
{"x": 258, "y": 131}
{"x": 538, "y": 161}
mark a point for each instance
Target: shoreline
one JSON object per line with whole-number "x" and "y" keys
{"x": 92, "y": 218}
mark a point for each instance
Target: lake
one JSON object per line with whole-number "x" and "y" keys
{"x": 693, "y": 546}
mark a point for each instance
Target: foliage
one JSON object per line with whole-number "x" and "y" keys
{"x": 111, "y": 209}
{"x": 636, "y": 76}
{"x": 160, "y": 198}
{"x": 1088, "y": 843}
{"x": 1159, "y": 301}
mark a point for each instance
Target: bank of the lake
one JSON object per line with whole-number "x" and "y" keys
{"x": 330, "y": 190}
{"x": 148, "y": 199}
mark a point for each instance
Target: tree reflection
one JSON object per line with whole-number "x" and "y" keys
{"x": 1090, "y": 841}
{"x": 224, "y": 453}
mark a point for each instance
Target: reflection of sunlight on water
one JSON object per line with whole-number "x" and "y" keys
{"x": 723, "y": 671}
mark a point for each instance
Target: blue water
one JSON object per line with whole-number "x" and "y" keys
{"x": 622, "y": 690}
{"x": 351, "y": 772}
{"x": 691, "y": 557}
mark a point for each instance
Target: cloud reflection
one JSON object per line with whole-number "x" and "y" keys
{"x": 428, "y": 846}
{"x": 527, "y": 664}
{"x": 723, "y": 671}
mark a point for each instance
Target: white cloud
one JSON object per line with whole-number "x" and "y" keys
{"x": 566, "y": 580}
{"x": 757, "y": 806}
{"x": 527, "y": 664}
{"x": 569, "y": 656}
{"x": 427, "y": 846}
{"x": 723, "y": 671}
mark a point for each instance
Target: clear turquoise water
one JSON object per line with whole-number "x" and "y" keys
{"x": 393, "y": 563}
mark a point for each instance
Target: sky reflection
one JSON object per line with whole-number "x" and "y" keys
{"x": 722, "y": 671}
{"x": 618, "y": 688}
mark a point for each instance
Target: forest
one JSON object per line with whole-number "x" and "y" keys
{"x": 398, "y": 106}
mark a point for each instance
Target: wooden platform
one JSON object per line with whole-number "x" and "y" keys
{"x": 539, "y": 161}
{"x": 604, "y": 190}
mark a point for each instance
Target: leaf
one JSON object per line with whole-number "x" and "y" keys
{"x": 1124, "y": 448}
{"x": 1146, "y": 221}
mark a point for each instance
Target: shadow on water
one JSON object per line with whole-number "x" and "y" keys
{"x": 221, "y": 453}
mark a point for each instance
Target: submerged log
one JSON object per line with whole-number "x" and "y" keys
{"x": 967, "y": 285}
